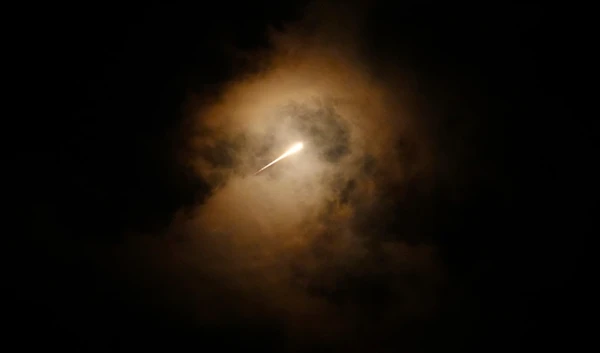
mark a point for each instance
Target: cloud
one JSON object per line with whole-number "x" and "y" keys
{"x": 309, "y": 243}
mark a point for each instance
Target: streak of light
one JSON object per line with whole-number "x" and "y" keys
{"x": 295, "y": 148}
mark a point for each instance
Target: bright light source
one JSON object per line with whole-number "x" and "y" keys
{"x": 295, "y": 148}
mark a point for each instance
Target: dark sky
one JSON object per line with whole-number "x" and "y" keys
{"x": 493, "y": 88}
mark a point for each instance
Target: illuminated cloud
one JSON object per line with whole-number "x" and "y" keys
{"x": 303, "y": 242}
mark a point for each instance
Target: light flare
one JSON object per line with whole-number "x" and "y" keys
{"x": 295, "y": 148}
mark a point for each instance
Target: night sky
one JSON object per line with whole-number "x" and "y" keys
{"x": 437, "y": 206}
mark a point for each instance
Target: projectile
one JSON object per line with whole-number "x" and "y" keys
{"x": 295, "y": 148}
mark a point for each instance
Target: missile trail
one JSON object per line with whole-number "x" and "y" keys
{"x": 295, "y": 148}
